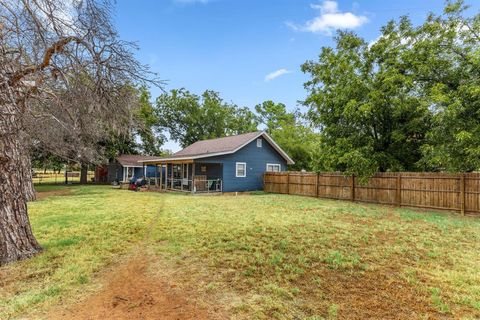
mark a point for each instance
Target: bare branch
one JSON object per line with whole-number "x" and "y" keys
{"x": 55, "y": 48}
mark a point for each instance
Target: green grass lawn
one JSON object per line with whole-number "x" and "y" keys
{"x": 257, "y": 256}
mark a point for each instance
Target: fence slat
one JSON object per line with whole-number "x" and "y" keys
{"x": 443, "y": 191}
{"x": 352, "y": 189}
{"x": 399, "y": 190}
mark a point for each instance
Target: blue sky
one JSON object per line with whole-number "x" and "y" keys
{"x": 249, "y": 50}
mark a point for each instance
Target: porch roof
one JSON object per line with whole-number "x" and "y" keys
{"x": 132, "y": 160}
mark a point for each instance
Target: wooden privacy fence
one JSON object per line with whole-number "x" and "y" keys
{"x": 456, "y": 192}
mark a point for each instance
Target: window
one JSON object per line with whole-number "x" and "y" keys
{"x": 128, "y": 173}
{"x": 259, "y": 143}
{"x": 241, "y": 169}
{"x": 273, "y": 167}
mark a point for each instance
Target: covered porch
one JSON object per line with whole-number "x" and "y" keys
{"x": 186, "y": 176}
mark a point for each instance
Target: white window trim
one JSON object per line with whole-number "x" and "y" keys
{"x": 259, "y": 142}
{"x": 274, "y": 164}
{"x": 236, "y": 169}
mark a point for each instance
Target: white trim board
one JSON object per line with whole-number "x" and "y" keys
{"x": 273, "y": 164}
{"x": 244, "y": 170}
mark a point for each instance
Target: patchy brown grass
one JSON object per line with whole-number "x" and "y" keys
{"x": 376, "y": 294}
{"x": 284, "y": 257}
{"x": 53, "y": 193}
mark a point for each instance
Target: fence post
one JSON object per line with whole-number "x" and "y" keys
{"x": 288, "y": 182}
{"x": 316, "y": 184}
{"x": 352, "y": 193}
{"x": 462, "y": 194}
{"x": 399, "y": 190}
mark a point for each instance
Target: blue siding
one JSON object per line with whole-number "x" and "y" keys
{"x": 256, "y": 159}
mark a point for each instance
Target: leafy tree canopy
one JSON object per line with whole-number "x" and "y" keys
{"x": 409, "y": 101}
{"x": 150, "y": 138}
{"x": 188, "y": 117}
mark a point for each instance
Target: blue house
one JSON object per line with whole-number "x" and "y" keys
{"x": 229, "y": 164}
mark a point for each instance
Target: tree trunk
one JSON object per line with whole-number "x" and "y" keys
{"x": 26, "y": 166}
{"x": 16, "y": 238}
{"x": 83, "y": 173}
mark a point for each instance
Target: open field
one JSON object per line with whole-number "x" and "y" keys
{"x": 53, "y": 177}
{"x": 248, "y": 257}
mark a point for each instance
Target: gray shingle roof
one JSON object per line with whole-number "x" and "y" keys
{"x": 225, "y": 144}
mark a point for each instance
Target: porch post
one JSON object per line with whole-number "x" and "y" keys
{"x": 181, "y": 182}
{"x": 193, "y": 177}
{"x": 171, "y": 182}
{"x": 161, "y": 176}
{"x": 188, "y": 165}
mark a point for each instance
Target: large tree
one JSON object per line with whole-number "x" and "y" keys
{"x": 188, "y": 117}
{"x": 408, "y": 101}
{"x": 364, "y": 100}
{"x": 445, "y": 60}
{"x": 43, "y": 45}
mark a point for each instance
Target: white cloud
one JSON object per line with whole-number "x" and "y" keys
{"x": 329, "y": 19}
{"x": 276, "y": 74}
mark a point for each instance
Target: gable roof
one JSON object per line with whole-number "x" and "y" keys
{"x": 132, "y": 160}
{"x": 221, "y": 146}
{"x": 225, "y": 144}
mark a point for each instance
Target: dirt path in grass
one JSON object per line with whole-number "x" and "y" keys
{"x": 132, "y": 291}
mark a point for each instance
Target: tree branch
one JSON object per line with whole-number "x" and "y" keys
{"x": 55, "y": 48}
